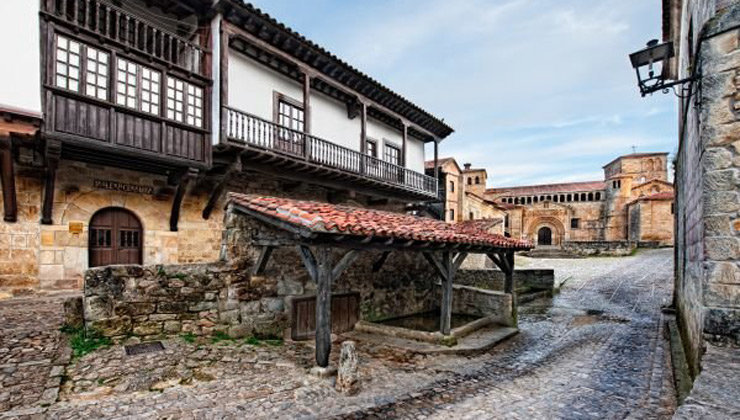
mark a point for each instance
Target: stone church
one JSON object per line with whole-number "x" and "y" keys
{"x": 631, "y": 206}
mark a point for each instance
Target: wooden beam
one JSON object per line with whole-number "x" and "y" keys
{"x": 459, "y": 259}
{"x": 346, "y": 261}
{"x": 404, "y": 139}
{"x": 182, "y": 187}
{"x": 377, "y": 265}
{"x": 234, "y": 168}
{"x": 53, "y": 155}
{"x": 309, "y": 261}
{"x": 7, "y": 179}
{"x": 262, "y": 260}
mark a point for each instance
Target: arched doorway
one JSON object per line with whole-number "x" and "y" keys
{"x": 116, "y": 237}
{"x": 544, "y": 236}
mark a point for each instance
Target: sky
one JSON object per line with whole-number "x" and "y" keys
{"x": 538, "y": 91}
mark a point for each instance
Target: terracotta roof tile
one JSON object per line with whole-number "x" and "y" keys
{"x": 661, "y": 196}
{"x": 330, "y": 218}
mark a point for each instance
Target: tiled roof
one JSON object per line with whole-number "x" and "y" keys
{"x": 549, "y": 188}
{"x": 479, "y": 224}
{"x": 430, "y": 163}
{"x": 341, "y": 219}
{"x": 661, "y": 196}
{"x": 650, "y": 181}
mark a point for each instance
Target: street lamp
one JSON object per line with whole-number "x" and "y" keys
{"x": 649, "y": 64}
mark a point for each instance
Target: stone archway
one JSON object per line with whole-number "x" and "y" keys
{"x": 553, "y": 224}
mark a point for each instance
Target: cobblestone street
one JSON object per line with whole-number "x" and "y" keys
{"x": 594, "y": 351}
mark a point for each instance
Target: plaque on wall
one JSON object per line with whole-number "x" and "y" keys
{"x": 75, "y": 227}
{"x": 123, "y": 187}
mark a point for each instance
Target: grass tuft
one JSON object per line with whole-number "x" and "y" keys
{"x": 84, "y": 341}
{"x": 219, "y": 336}
{"x": 189, "y": 337}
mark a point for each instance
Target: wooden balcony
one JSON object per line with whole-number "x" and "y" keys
{"x": 113, "y": 25}
{"x": 271, "y": 144}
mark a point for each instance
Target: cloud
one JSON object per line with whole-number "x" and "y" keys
{"x": 537, "y": 90}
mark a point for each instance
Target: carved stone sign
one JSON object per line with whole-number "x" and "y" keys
{"x": 123, "y": 187}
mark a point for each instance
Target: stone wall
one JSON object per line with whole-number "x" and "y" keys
{"x": 612, "y": 248}
{"x": 483, "y": 303}
{"x": 531, "y": 279}
{"x": 707, "y": 173}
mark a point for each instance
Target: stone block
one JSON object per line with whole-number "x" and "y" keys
{"x": 172, "y": 307}
{"x": 73, "y": 312}
{"x": 723, "y": 295}
{"x": 717, "y": 158}
{"x": 721, "y": 180}
{"x": 163, "y": 317}
{"x": 720, "y": 202}
{"x": 273, "y": 304}
{"x": 148, "y": 328}
{"x": 202, "y": 306}
{"x": 717, "y": 225}
{"x": 98, "y": 307}
{"x": 229, "y": 317}
{"x": 251, "y": 307}
{"x": 722, "y": 248}
{"x": 348, "y": 375}
{"x": 723, "y": 272}
{"x": 287, "y": 287}
{"x": 171, "y": 327}
{"x": 240, "y": 330}
{"x": 112, "y": 327}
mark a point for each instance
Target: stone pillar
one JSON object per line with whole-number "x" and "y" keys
{"x": 348, "y": 377}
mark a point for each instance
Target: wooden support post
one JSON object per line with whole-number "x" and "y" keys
{"x": 505, "y": 261}
{"x": 404, "y": 139}
{"x": 320, "y": 269}
{"x": 7, "y": 178}
{"x": 323, "y": 306}
{"x": 363, "y": 136}
{"x": 306, "y": 103}
{"x": 436, "y": 175}
{"x": 264, "y": 257}
{"x": 182, "y": 187}
{"x": 446, "y": 265}
{"x": 53, "y": 155}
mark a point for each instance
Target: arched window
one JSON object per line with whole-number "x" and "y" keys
{"x": 470, "y": 181}
{"x": 562, "y": 198}
{"x": 549, "y": 198}
{"x": 452, "y": 186}
{"x": 470, "y": 216}
{"x": 477, "y": 180}
{"x": 590, "y": 196}
{"x": 575, "y": 197}
{"x": 583, "y": 196}
{"x": 570, "y": 198}
{"x": 598, "y": 196}
{"x": 516, "y": 200}
{"x": 536, "y": 199}
{"x": 555, "y": 198}
{"x": 529, "y": 200}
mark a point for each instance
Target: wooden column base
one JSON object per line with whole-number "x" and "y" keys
{"x": 7, "y": 179}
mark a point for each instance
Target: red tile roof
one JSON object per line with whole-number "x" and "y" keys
{"x": 340, "y": 219}
{"x": 429, "y": 164}
{"x": 661, "y": 196}
{"x": 549, "y": 188}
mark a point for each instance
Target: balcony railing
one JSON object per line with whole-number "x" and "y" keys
{"x": 102, "y": 19}
{"x": 273, "y": 137}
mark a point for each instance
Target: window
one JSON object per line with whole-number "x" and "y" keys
{"x": 137, "y": 87}
{"x": 96, "y": 74}
{"x": 290, "y": 114}
{"x": 452, "y": 186}
{"x": 184, "y": 102}
{"x": 471, "y": 216}
{"x": 575, "y": 223}
{"x": 68, "y": 63}
{"x": 477, "y": 180}
{"x": 506, "y": 221}
{"x": 392, "y": 154}
{"x": 452, "y": 215}
{"x": 598, "y": 196}
{"x": 126, "y": 83}
{"x": 74, "y": 59}
{"x": 470, "y": 181}
{"x": 372, "y": 149}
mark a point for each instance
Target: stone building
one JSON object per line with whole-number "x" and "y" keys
{"x": 124, "y": 126}
{"x": 632, "y": 206}
{"x": 462, "y": 194}
{"x": 706, "y": 38}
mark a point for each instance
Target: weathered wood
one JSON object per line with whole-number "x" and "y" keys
{"x": 324, "y": 277}
{"x": 262, "y": 260}
{"x": 445, "y": 324}
{"x": 309, "y": 261}
{"x": 7, "y": 179}
{"x": 377, "y": 265}
{"x": 346, "y": 261}
{"x": 53, "y": 155}
{"x": 306, "y": 103}
{"x": 459, "y": 259}
{"x": 405, "y": 135}
{"x": 182, "y": 187}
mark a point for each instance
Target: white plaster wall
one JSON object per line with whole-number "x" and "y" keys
{"x": 251, "y": 86}
{"x": 330, "y": 122}
{"x": 415, "y": 155}
{"x": 20, "y": 71}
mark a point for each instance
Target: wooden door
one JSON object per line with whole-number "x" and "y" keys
{"x": 345, "y": 312}
{"x": 116, "y": 237}
{"x": 544, "y": 236}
